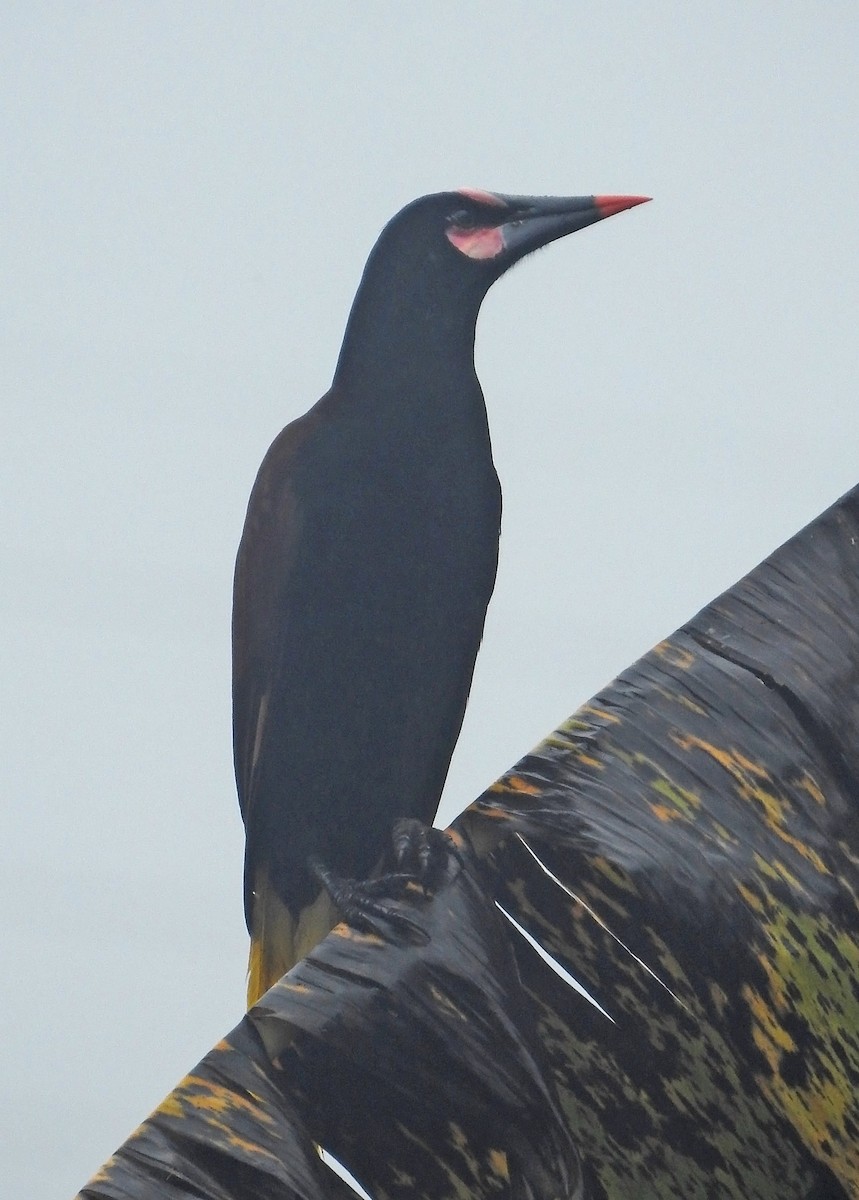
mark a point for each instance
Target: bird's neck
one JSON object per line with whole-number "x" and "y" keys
{"x": 386, "y": 345}
{"x": 409, "y": 330}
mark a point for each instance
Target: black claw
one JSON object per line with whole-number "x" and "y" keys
{"x": 362, "y": 903}
{"x": 421, "y": 856}
{"x": 422, "y": 851}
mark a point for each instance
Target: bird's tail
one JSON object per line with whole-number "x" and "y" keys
{"x": 279, "y": 938}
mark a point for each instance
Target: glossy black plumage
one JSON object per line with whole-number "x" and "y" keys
{"x": 366, "y": 564}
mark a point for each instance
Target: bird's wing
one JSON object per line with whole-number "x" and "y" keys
{"x": 266, "y": 554}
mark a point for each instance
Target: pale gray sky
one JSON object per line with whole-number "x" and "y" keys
{"x": 190, "y": 192}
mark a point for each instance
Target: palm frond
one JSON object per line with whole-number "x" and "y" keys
{"x": 686, "y": 850}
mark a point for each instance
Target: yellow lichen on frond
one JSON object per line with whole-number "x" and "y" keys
{"x": 806, "y": 1026}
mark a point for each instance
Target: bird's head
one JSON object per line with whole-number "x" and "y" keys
{"x": 437, "y": 258}
{"x": 481, "y": 234}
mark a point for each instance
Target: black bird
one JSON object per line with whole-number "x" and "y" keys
{"x": 366, "y": 564}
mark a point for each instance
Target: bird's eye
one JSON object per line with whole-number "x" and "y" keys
{"x": 462, "y": 219}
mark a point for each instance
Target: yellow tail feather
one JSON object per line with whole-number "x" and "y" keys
{"x": 278, "y": 941}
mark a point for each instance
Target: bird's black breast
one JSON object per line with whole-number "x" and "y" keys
{"x": 380, "y": 584}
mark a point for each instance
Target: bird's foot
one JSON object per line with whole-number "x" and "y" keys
{"x": 421, "y": 852}
{"x": 421, "y": 856}
{"x": 366, "y": 903}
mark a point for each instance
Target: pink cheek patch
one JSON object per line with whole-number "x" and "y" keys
{"x": 477, "y": 243}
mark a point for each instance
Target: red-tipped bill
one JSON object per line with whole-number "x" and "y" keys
{"x": 607, "y": 206}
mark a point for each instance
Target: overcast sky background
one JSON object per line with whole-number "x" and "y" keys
{"x": 190, "y": 192}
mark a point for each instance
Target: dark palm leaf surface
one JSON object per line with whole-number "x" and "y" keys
{"x": 686, "y": 847}
{"x": 413, "y": 1059}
